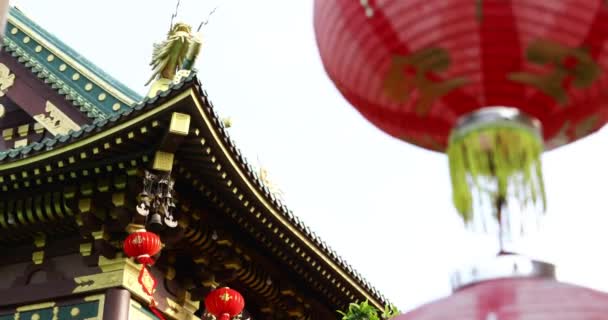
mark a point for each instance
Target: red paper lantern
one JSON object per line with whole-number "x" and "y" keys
{"x": 143, "y": 246}
{"x": 439, "y": 74}
{"x": 413, "y": 68}
{"x": 514, "y": 299}
{"x": 224, "y": 303}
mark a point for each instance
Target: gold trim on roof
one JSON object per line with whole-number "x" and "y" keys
{"x": 73, "y": 63}
{"x": 55, "y": 121}
{"x": 190, "y": 93}
{"x": 277, "y": 215}
{"x": 103, "y": 134}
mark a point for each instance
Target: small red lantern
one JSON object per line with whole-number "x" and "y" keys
{"x": 143, "y": 246}
{"x": 224, "y": 303}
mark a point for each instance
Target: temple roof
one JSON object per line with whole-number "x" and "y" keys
{"x": 83, "y": 84}
{"x": 96, "y": 93}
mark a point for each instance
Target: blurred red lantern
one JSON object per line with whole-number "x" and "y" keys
{"x": 429, "y": 72}
{"x": 515, "y": 299}
{"x": 224, "y": 303}
{"x": 143, "y": 246}
{"x": 414, "y": 67}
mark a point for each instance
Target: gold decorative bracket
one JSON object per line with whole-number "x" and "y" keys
{"x": 163, "y": 161}
{"x": 55, "y": 121}
{"x": 179, "y": 128}
{"x": 7, "y": 79}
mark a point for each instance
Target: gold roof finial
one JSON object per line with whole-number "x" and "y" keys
{"x": 174, "y": 58}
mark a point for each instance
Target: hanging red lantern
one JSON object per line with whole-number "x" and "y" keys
{"x": 143, "y": 245}
{"x": 429, "y": 72}
{"x": 224, "y": 303}
{"x": 413, "y": 68}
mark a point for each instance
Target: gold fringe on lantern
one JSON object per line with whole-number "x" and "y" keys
{"x": 498, "y": 160}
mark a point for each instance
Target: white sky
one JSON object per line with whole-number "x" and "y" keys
{"x": 385, "y": 206}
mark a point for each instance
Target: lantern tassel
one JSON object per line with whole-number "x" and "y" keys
{"x": 492, "y": 164}
{"x": 145, "y": 259}
{"x": 225, "y": 316}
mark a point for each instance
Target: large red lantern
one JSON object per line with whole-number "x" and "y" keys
{"x": 413, "y": 68}
{"x": 224, "y": 303}
{"x": 516, "y": 299}
{"x": 491, "y": 82}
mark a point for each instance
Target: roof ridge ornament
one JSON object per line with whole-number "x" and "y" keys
{"x": 173, "y": 59}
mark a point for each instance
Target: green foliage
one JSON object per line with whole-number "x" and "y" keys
{"x": 365, "y": 311}
{"x": 498, "y": 161}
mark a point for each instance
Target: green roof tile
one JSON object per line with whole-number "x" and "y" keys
{"x": 96, "y": 93}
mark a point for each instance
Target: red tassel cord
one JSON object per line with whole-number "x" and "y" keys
{"x": 148, "y": 284}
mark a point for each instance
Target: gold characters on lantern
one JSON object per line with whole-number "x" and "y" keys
{"x": 416, "y": 71}
{"x": 568, "y": 65}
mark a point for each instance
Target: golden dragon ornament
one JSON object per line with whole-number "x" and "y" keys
{"x": 173, "y": 58}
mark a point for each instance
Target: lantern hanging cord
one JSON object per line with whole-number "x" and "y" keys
{"x": 499, "y": 160}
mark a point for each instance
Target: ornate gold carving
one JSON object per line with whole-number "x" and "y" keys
{"x": 7, "y": 79}
{"x": 180, "y": 123}
{"x": 178, "y": 52}
{"x": 163, "y": 161}
{"x": 55, "y": 121}
{"x": 98, "y": 281}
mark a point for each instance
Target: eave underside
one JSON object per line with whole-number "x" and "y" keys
{"x": 204, "y": 167}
